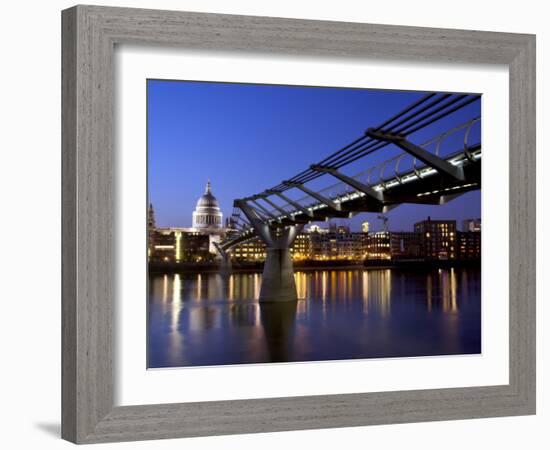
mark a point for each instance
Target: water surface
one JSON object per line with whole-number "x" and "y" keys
{"x": 214, "y": 319}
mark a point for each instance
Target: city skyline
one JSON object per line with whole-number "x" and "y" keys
{"x": 430, "y": 240}
{"x": 340, "y": 222}
{"x": 202, "y": 124}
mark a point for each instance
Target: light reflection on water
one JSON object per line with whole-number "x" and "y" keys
{"x": 213, "y": 319}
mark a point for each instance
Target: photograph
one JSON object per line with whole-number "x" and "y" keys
{"x": 294, "y": 224}
{"x": 262, "y": 225}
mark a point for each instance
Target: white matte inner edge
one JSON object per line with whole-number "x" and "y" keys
{"x": 136, "y": 385}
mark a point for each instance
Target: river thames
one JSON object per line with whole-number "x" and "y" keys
{"x": 213, "y": 319}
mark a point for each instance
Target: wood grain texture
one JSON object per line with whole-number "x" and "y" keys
{"x": 68, "y": 224}
{"x": 522, "y": 182}
{"x": 89, "y": 36}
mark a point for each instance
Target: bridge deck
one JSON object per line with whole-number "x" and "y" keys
{"x": 422, "y": 185}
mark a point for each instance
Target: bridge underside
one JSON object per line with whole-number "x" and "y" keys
{"x": 433, "y": 190}
{"x": 432, "y": 179}
{"x": 421, "y": 186}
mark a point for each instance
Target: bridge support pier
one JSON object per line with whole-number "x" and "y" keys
{"x": 278, "y": 284}
{"x": 225, "y": 265}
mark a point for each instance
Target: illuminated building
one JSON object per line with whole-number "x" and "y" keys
{"x": 469, "y": 245}
{"x": 318, "y": 244}
{"x": 341, "y": 229}
{"x": 430, "y": 240}
{"x": 207, "y": 214}
{"x": 195, "y": 247}
{"x": 336, "y": 243}
{"x": 171, "y": 245}
{"x": 395, "y": 245}
{"x": 405, "y": 245}
{"x": 162, "y": 247}
{"x": 471, "y": 225}
{"x": 301, "y": 247}
{"x": 249, "y": 251}
{"x": 188, "y": 243}
{"x": 378, "y": 246}
{"x": 316, "y": 229}
{"x": 438, "y": 238}
{"x": 150, "y": 229}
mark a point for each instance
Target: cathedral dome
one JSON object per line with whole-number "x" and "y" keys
{"x": 207, "y": 200}
{"x": 207, "y": 213}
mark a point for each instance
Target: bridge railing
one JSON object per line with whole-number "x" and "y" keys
{"x": 366, "y": 151}
{"x": 444, "y": 145}
{"x": 402, "y": 166}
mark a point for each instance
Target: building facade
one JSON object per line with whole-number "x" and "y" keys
{"x": 162, "y": 246}
{"x": 176, "y": 245}
{"x": 336, "y": 244}
{"x": 151, "y": 227}
{"x": 188, "y": 244}
{"x": 314, "y": 244}
{"x": 405, "y": 245}
{"x": 207, "y": 215}
{"x": 430, "y": 240}
{"x": 471, "y": 225}
{"x": 253, "y": 250}
{"x": 437, "y": 238}
{"x": 378, "y": 246}
{"x": 469, "y": 245}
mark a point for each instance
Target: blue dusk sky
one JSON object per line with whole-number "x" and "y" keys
{"x": 246, "y": 138}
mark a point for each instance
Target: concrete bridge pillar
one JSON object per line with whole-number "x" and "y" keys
{"x": 225, "y": 264}
{"x": 278, "y": 283}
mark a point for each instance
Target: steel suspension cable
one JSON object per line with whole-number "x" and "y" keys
{"x": 422, "y": 122}
{"x": 353, "y": 145}
{"x": 358, "y": 149}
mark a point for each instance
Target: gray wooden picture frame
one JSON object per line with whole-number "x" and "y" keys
{"x": 89, "y": 35}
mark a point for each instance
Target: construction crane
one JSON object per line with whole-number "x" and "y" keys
{"x": 384, "y": 219}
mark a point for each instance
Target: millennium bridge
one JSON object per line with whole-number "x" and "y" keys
{"x": 396, "y": 169}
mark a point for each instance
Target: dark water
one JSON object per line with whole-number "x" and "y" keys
{"x": 210, "y": 319}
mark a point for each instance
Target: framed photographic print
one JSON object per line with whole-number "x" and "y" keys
{"x": 268, "y": 222}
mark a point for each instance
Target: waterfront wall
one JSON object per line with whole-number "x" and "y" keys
{"x": 168, "y": 267}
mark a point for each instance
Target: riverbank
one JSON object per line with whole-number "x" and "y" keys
{"x": 304, "y": 266}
